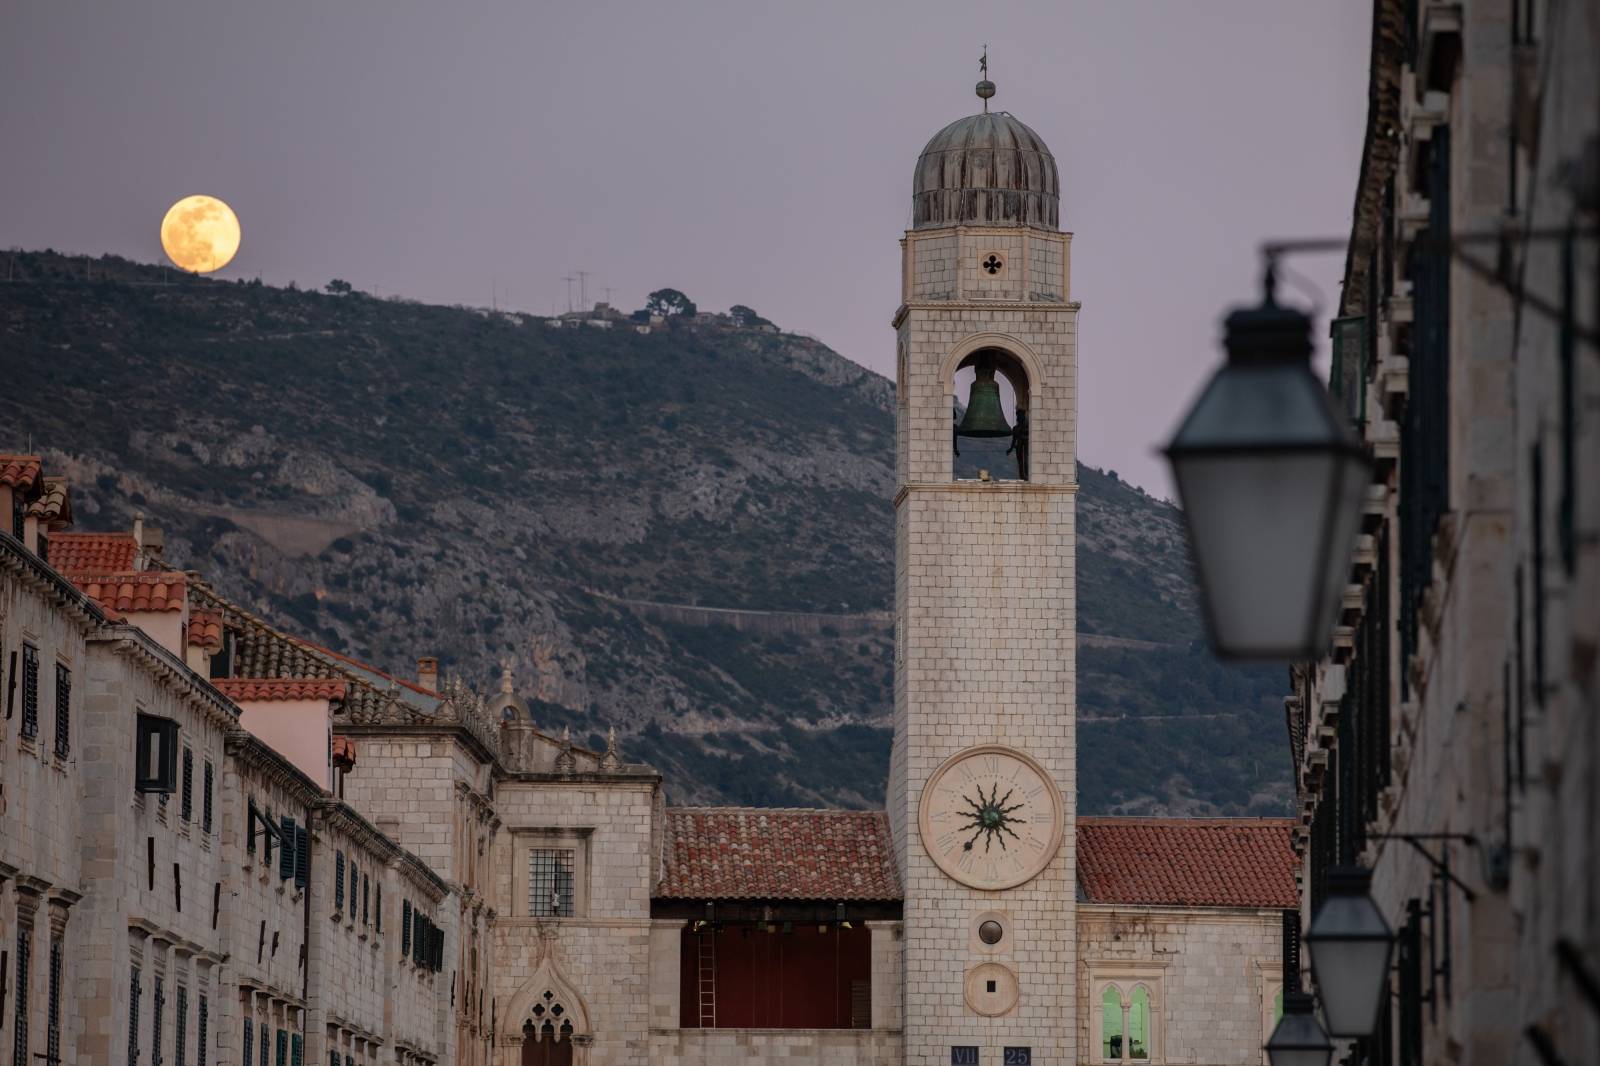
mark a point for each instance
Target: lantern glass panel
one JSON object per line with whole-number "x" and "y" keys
{"x": 1350, "y": 943}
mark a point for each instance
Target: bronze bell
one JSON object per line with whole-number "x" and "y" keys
{"x": 984, "y": 416}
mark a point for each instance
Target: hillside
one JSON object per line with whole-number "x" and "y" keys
{"x": 396, "y": 479}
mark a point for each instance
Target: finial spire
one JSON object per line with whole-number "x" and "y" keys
{"x": 985, "y": 86}
{"x": 506, "y": 684}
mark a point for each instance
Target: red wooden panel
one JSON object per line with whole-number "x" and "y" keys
{"x": 776, "y": 980}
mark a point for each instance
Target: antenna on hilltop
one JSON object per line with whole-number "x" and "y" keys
{"x": 569, "y": 279}
{"x": 583, "y": 289}
{"x": 609, "y": 291}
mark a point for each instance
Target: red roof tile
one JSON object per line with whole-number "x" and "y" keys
{"x": 54, "y": 506}
{"x": 205, "y": 630}
{"x": 19, "y": 471}
{"x": 757, "y": 853}
{"x": 93, "y": 553}
{"x": 144, "y": 590}
{"x": 1195, "y": 862}
{"x": 256, "y": 689}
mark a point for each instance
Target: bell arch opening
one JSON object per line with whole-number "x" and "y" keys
{"x": 989, "y": 428}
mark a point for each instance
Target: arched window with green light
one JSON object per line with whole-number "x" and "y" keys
{"x": 1139, "y": 1025}
{"x": 1111, "y": 1025}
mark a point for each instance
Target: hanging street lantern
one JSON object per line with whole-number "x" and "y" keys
{"x": 1299, "y": 1039}
{"x": 1350, "y": 945}
{"x": 1271, "y": 481}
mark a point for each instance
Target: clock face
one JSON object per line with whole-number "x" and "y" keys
{"x": 991, "y": 817}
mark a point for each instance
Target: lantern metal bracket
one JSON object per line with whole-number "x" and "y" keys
{"x": 1441, "y": 862}
{"x": 1455, "y": 245}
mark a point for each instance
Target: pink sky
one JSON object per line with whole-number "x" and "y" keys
{"x": 744, "y": 152}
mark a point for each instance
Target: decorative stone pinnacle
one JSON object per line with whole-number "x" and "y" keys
{"x": 612, "y": 759}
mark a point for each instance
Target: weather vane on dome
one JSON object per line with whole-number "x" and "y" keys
{"x": 985, "y": 86}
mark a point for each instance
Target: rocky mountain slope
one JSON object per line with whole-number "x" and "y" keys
{"x": 686, "y": 533}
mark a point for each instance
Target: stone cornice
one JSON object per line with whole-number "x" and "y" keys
{"x": 133, "y": 644}
{"x": 1018, "y": 487}
{"x": 905, "y": 309}
{"x": 1232, "y": 915}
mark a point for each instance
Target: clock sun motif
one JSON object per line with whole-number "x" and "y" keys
{"x": 991, "y": 817}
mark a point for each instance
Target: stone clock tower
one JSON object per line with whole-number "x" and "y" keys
{"x": 983, "y": 778}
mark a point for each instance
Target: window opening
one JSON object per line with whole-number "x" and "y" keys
{"x": 63, "y": 710}
{"x": 550, "y": 882}
{"x": 990, "y": 428}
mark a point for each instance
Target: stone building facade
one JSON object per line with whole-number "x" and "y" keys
{"x": 1459, "y": 701}
{"x": 253, "y": 850}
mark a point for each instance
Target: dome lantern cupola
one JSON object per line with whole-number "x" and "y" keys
{"x": 987, "y": 169}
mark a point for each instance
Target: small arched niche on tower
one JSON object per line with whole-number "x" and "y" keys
{"x": 989, "y": 427}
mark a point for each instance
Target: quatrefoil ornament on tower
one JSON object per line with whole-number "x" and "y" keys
{"x": 993, "y": 263}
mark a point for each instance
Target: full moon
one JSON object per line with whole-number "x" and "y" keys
{"x": 200, "y": 234}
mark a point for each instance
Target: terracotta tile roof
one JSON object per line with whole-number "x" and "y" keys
{"x": 256, "y": 689}
{"x": 344, "y": 752}
{"x": 53, "y": 507}
{"x": 205, "y": 630}
{"x": 19, "y": 471}
{"x": 1196, "y": 862}
{"x": 757, "y": 853}
{"x": 93, "y": 553}
{"x": 142, "y": 590}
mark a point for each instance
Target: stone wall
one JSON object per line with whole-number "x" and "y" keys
{"x": 1213, "y": 977}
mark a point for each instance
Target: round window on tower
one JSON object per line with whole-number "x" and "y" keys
{"x": 992, "y": 264}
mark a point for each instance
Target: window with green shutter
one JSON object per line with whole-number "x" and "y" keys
{"x": 202, "y": 1021}
{"x": 205, "y": 798}
{"x": 30, "y": 693}
{"x": 405, "y": 928}
{"x": 296, "y": 1049}
{"x": 285, "y": 849}
{"x": 63, "y": 710}
{"x": 283, "y": 1047}
{"x": 180, "y": 1053}
{"x": 338, "y": 880}
{"x": 133, "y": 1018}
{"x": 187, "y": 806}
{"x": 19, "y": 1048}
{"x": 52, "y": 1029}
{"x": 302, "y": 857}
{"x": 249, "y": 1043}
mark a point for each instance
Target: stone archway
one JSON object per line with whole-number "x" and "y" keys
{"x": 547, "y": 1020}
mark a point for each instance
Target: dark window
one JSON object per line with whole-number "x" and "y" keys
{"x": 1409, "y": 1007}
{"x": 283, "y": 1047}
{"x": 405, "y": 928}
{"x": 202, "y": 1021}
{"x": 366, "y": 898}
{"x": 265, "y": 1036}
{"x": 1536, "y": 477}
{"x": 205, "y": 798}
{"x": 296, "y": 1049}
{"x": 1566, "y": 506}
{"x": 1291, "y": 951}
{"x": 157, "y": 754}
{"x": 63, "y": 710}
{"x": 186, "y": 809}
{"x": 30, "y": 691}
{"x": 550, "y": 882}
{"x": 338, "y": 880}
{"x": 1425, "y": 426}
{"x": 133, "y": 1019}
{"x": 19, "y": 1048}
{"x": 52, "y": 1030}
{"x": 377, "y": 909}
{"x": 353, "y": 888}
{"x": 249, "y": 1041}
{"x": 180, "y": 1053}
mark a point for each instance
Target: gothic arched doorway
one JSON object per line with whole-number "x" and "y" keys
{"x": 547, "y": 1045}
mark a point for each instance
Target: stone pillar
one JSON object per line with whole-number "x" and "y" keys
{"x": 888, "y": 989}
{"x": 666, "y": 951}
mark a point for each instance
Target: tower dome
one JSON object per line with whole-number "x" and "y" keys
{"x": 987, "y": 169}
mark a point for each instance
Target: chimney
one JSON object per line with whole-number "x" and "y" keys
{"x": 428, "y": 673}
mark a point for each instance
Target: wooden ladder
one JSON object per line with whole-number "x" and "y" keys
{"x": 707, "y": 950}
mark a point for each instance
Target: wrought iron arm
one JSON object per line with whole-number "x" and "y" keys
{"x": 1441, "y": 866}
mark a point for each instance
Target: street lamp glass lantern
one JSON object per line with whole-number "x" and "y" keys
{"x": 1299, "y": 1039}
{"x": 1271, "y": 481}
{"x": 1350, "y": 944}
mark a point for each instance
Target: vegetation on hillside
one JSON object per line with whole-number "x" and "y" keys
{"x": 396, "y": 479}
